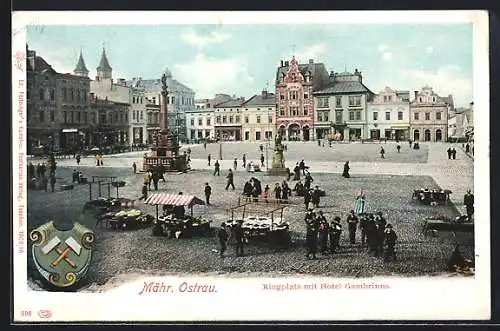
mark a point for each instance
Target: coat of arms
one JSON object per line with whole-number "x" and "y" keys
{"x": 62, "y": 257}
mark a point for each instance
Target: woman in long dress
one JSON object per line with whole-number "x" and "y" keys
{"x": 360, "y": 203}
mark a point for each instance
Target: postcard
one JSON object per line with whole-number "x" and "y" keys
{"x": 250, "y": 166}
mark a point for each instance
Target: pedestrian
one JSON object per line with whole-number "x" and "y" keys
{"x": 382, "y": 152}
{"x": 371, "y": 236}
{"x": 449, "y": 153}
{"x": 262, "y": 160}
{"x": 302, "y": 166}
{"x": 97, "y": 162}
{"x": 235, "y": 163}
{"x": 208, "y": 192}
{"x": 205, "y": 145}
{"x": 247, "y": 190}
{"x": 409, "y": 142}
{"x": 285, "y": 191}
{"x": 150, "y": 178}
{"x": 467, "y": 148}
{"x": 398, "y": 147}
{"x": 454, "y": 153}
{"x": 134, "y": 166}
{"x": 359, "y": 203}
{"x": 52, "y": 182}
{"x": 315, "y": 197}
{"x": 330, "y": 143}
{"x": 322, "y": 232}
{"x": 277, "y": 191}
{"x": 43, "y": 169}
{"x": 266, "y": 193}
{"x": 319, "y": 142}
{"x": 230, "y": 179}
{"x": 311, "y": 240}
{"x": 74, "y": 176}
{"x": 352, "y": 224}
{"x": 469, "y": 204}
{"x": 308, "y": 181}
{"x": 223, "y": 237}
{"x": 144, "y": 191}
{"x": 45, "y": 182}
{"x": 216, "y": 168}
{"x": 390, "y": 238}
{"x": 239, "y": 237}
{"x": 31, "y": 171}
{"x": 335, "y": 230}
{"x": 244, "y": 159}
{"x": 156, "y": 179}
{"x": 307, "y": 198}
{"x": 209, "y": 159}
{"x": 296, "y": 172}
{"x": 261, "y": 147}
{"x": 345, "y": 173}
{"x": 363, "y": 226}
{"x": 78, "y": 159}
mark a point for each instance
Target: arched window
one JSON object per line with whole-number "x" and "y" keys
{"x": 416, "y": 135}
{"x": 427, "y": 135}
{"x": 439, "y": 135}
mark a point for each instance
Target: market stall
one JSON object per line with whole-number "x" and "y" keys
{"x": 432, "y": 197}
{"x": 442, "y": 223}
{"x": 118, "y": 213}
{"x": 174, "y": 221}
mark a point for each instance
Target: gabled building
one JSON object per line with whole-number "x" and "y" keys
{"x": 429, "y": 115}
{"x": 259, "y": 117}
{"x": 340, "y": 107}
{"x": 295, "y": 84}
{"x": 389, "y": 115}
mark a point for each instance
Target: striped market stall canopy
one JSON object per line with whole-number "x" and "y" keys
{"x": 173, "y": 200}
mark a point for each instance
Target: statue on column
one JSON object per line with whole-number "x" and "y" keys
{"x": 164, "y": 81}
{"x": 278, "y": 159}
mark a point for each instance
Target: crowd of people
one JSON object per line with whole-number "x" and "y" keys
{"x": 42, "y": 175}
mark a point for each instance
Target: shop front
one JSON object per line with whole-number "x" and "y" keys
{"x": 401, "y": 132}
{"x": 228, "y": 133}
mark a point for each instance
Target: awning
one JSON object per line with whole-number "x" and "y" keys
{"x": 173, "y": 200}
{"x": 400, "y": 126}
{"x": 70, "y": 130}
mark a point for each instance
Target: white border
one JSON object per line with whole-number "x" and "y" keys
{"x": 408, "y": 298}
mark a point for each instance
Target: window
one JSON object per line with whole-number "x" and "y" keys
{"x": 351, "y": 116}
{"x": 433, "y": 99}
{"x": 306, "y": 95}
{"x": 133, "y": 99}
{"x": 294, "y": 111}
{"x": 257, "y": 135}
{"x": 338, "y": 116}
{"x": 387, "y": 116}
{"x": 154, "y": 100}
{"x": 415, "y": 116}
{"x": 64, "y": 94}
{"x": 141, "y": 99}
{"x": 400, "y": 115}
{"x": 231, "y": 119}
{"x": 246, "y": 119}
{"x": 355, "y": 101}
{"x": 427, "y": 116}
{"x": 420, "y": 99}
{"x": 258, "y": 119}
{"x": 224, "y": 119}
{"x": 52, "y": 95}
{"x": 217, "y": 119}
{"x": 385, "y": 98}
{"x": 173, "y": 99}
{"x": 358, "y": 115}
{"x": 65, "y": 116}
{"x": 133, "y": 115}
{"x": 338, "y": 102}
{"x": 41, "y": 116}
{"x": 247, "y": 135}
{"x": 41, "y": 94}
{"x": 85, "y": 117}
{"x": 208, "y": 121}
{"x": 322, "y": 102}
{"x": 72, "y": 94}
{"x": 142, "y": 113}
{"x": 78, "y": 117}
{"x": 306, "y": 110}
{"x": 71, "y": 117}
{"x": 281, "y": 111}
{"x": 438, "y": 115}
{"x": 237, "y": 118}
{"x": 192, "y": 122}
{"x": 270, "y": 119}
{"x": 93, "y": 118}
{"x": 200, "y": 121}
{"x": 375, "y": 116}
{"x": 85, "y": 98}
{"x": 293, "y": 95}
{"x": 193, "y": 134}
{"x": 282, "y": 96}
{"x": 52, "y": 116}
{"x": 319, "y": 117}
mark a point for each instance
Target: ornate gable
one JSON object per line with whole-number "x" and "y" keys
{"x": 294, "y": 75}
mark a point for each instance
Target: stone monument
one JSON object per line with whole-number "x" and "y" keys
{"x": 278, "y": 165}
{"x": 165, "y": 150}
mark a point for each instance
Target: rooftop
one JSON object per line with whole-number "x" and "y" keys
{"x": 259, "y": 100}
{"x": 344, "y": 87}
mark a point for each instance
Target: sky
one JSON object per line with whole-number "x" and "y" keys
{"x": 242, "y": 59}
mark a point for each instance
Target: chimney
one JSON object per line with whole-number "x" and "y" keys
{"x": 264, "y": 93}
{"x": 416, "y": 92}
{"x": 282, "y": 63}
{"x": 311, "y": 61}
{"x": 287, "y": 63}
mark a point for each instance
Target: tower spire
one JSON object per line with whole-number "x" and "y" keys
{"x": 104, "y": 70}
{"x": 81, "y": 68}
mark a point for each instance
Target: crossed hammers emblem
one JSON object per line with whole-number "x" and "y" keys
{"x": 72, "y": 245}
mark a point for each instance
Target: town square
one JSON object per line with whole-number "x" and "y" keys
{"x": 304, "y": 162}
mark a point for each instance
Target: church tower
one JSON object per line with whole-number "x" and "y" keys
{"x": 104, "y": 69}
{"x": 81, "y": 68}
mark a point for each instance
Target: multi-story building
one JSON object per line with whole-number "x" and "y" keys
{"x": 389, "y": 115}
{"x": 138, "y": 126}
{"x": 180, "y": 99}
{"x": 200, "y": 125}
{"x": 429, "y": 115}
{"x": 340, "y": 107}
{"x": 259, "y": 117}
{"x": 295, "y": 84}
{"x": 228, "y": 120}
{"x": 111, "y": 122}
{"x": 210, "y": 103}
{"x": 152, "y": 120}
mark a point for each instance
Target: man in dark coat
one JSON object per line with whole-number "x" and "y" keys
{"x": 285, "y": 191}
{"x": 156, "y": 179}
{"x": 262, "y": 160}
{"x": 469, "y": 204}
{"x": 345, "y": 174}
{"x": 208, "y": 192}
{"x": 382, "y": 152}
{"x": 302, "y": 166}
{"x": 316, "y": 194}
{"x": 223, "y": 236}
{"x": 323, "y": 232}
{"x": 216, "y": 168}
{"x": 244, "y": 159}
{"x": 230, "y": 179}
{"x": 454, "y": 153}
{"x": 31, "y": 171}
{"x": 311, "y": 240}
{"x": 296, "y": 172}
{"x": 352, "y": 224}
{"x": 52, "y": 182}
{"x": 449, "y": 153}
{"x": 335, "y": 230}
{"x": 144, "y": 192}
{"x": 307, "y": 198}
{"x": 307, "y": 181}
{"x": 390, "y": 238}
{"x": 277, "y": 191}
{"x": 247, "y": 189}
{"x": 299, "y": 189}
{"x": 239, "y": 237}
{"x": 363, "y": 225}
{"x": 209, "y": 159}
{"x": 372, "y": 236}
